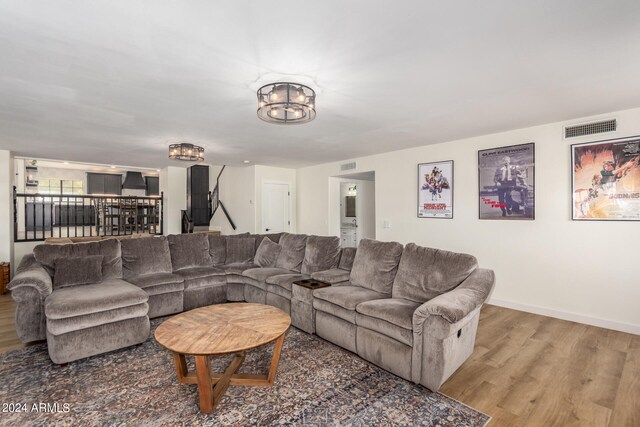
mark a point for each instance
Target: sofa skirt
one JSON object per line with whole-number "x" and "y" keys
{"x": 385, "y": 352}
{"x": 336, "y": 330}
{"x": 100, "y": 339}
{"x": 201, "y": 297}
{"x": 165, "y": 304}
{"x": 254, "y": 295}
{"x": 280, "y": 302}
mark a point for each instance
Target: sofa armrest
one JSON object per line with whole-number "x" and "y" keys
{"x": 31, "y": 274}
{"x": 455, "y": 305}
{"x": 333, "y": 276}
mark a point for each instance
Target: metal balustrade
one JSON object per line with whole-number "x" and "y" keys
{"x": 37, "y": 217}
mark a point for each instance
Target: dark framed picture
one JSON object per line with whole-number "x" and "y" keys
{"x": 605, "y": 180}
{"x": 506, "y": 181}
{"x": 435, "y": 189}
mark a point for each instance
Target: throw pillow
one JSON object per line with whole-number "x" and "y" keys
{"x": 267, "y": 253}
{"x": 75, "y": 271}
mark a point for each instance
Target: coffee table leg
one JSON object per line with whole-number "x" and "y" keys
{"x": 181, "y": 366}
{"x": 205, "y": 386}
{"x": 271, "y": 376}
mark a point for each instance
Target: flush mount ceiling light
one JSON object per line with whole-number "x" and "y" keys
{"x": 186, "y": 152}
{"x": 286, "y": 103}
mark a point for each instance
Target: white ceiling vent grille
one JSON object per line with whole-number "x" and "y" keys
{"x": 348, "y": 166}
{"x": 590, "y": 128}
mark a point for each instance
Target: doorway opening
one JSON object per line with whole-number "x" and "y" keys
{"x": 353, "y": 213}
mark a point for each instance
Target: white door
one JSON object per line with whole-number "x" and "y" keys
{"x": 275, "y": 208}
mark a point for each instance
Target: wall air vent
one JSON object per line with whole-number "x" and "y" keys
{"x": 592, "y": 128}
{"x": 348, "y": 166}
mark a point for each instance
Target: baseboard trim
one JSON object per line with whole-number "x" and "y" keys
{"x": 573, "y": 317}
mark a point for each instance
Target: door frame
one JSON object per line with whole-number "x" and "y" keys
{"x": 262, "y": 204}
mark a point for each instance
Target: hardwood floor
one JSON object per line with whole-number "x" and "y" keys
{"x": 526, "y": 370}
{"x": 531, "y": 370}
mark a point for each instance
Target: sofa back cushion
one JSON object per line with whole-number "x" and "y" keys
{"x": 267, "y": 253}
{"x": 74, "y": 271}
{"x": 375, "y": 265}
{"x": 46, "y": 255}
{"x": 145, "y": 256}
{"x": 217, "y": 249}
{"x": 346, "y": 258}
{"x": 292, "y": 253}
{"x": 240, "y": 250}
{"x": 425, "y": 273}
{"x": 189, "y": 250}
{"x": 321, "y": 253}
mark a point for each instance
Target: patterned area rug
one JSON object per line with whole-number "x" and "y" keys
{"x": 318, "y": 384}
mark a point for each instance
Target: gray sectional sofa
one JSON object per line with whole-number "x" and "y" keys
{"x": 411, "y": 310}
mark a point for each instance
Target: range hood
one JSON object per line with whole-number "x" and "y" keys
{"x": 134, "y": 181}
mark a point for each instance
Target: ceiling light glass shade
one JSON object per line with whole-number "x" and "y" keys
{"x": 187, "y": 152}
{"x": 286, "y": 103}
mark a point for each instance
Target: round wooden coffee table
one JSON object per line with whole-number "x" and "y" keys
{"x": 222, "y": 329}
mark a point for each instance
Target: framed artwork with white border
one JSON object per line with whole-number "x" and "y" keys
{"x": 435, "y": 190}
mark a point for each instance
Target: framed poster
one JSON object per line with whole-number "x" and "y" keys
{"x": 605, "y": 180}
{"x": 506, "y": 181}
{"x": 435, "y": 190}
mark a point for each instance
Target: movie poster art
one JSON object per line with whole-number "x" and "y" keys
{"x": 606, "y": 180}
{"x": 506, "y": 178}
{"x": 435, "y": 190}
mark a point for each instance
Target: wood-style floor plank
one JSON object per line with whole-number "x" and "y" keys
{"x": 526, "y": 370}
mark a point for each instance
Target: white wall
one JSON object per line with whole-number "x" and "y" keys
{"x": 173, "y": 182}
{"x": 241, "y": 193}
{"x": 584, "y": 271}
{"x": 6, "y": 207}
{"x": 237, "y": 192}
{"x": 366, "y": 210}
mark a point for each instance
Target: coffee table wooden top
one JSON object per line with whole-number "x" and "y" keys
{"x": 222, "y": 328}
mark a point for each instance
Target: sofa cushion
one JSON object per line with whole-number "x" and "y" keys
{"x": 278, "y": 290}
{"x": 189, "y": 250}
{"x": 237, "y": 268}
{"x": 347, "y": 296}
{"x": 375, "y": 265}
{"x": 335, "y": 310}
{"x": 425, "y": 273}
{"x": 267, "y": 253}
{"x": 77, "y": 323}
{"x": 80, "y": 300}
{"x": 158, "y": 283}
{"x": 145, "y": 256}
{"x": 285, "y": 281}
{"x": 292, "y": 253}
{"x": 240, "y": 250}
{"x": 321, "y": 253}
{"x": 200, "y": 272}
{"x": 262, "y": 274}
{"x": 346, "y": 258}
{"x": 46, "y": 255}
{"x": 74, "y": 271}
{"x": 335, "y": 275}
{"x": 217, "y": 249}
{"x": 397, "y": 311}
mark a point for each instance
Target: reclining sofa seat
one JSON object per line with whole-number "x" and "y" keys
{"x": 88, "y": 319}
{"x": 204, "y": 284}
{"x": 288, "y": 263}
{"x": 146, "y": 263}
{"x": 374, "y": 268}
{"x": 320, "y": 253}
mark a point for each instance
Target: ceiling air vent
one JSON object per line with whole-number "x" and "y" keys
{"x": 348, "y": 166}
{"x": 590, "y": 128}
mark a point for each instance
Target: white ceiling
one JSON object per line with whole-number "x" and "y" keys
{"x": 115, "y": 81}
